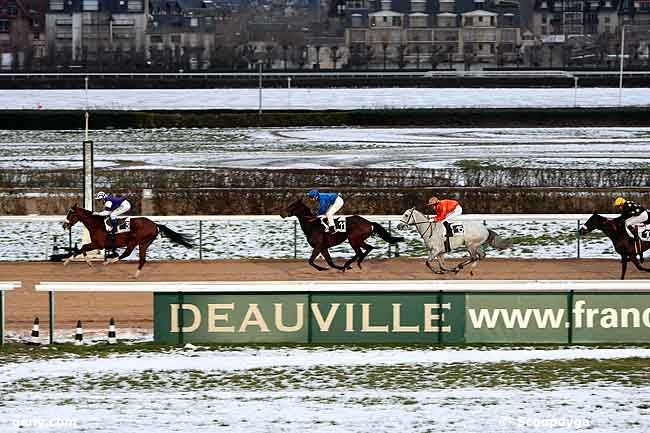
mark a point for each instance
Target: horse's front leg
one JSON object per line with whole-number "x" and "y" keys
{"x": 624, "y": 261}
{"x": 326, "y": 255}
{"x": 441, "y": 262}
{"x": 84, "y": 249}
{"x": 313, "y": 256}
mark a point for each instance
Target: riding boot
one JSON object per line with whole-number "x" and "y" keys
{"x": 113, "y": 238}
{"x": 448, "y": 228}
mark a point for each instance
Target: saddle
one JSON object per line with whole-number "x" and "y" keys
{"x": 339, "y": 224}
{"x": 123, "y": 225}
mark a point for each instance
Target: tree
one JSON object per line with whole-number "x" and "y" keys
{"x": 417, "y": 57}
{"x": 335, "y": 55}
{"x": 318, "y": 47}
{"x": 384, "y": 47}
{"x": 402, "y": 50}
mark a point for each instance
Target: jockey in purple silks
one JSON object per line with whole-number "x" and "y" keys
{"x": 114, "y": 206}
{"x": 329, "y": 204}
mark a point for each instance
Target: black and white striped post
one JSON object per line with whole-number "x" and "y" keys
{"x": 112, "y": 338}
{"x": 35, "y": 338}
{"x": 79, "y": 334}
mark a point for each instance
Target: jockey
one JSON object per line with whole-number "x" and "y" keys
{"x": 632, "y": 214}
{"x": 444, "y": 210}
{"x": 114, "y": 206}
{"x": 329, "y": 204}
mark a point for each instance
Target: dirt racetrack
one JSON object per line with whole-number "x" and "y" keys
{"x": 134, "y": 310}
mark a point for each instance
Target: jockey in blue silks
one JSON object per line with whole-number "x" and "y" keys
{"x": 114, "y": 206}
{"x": 329, "y": 204}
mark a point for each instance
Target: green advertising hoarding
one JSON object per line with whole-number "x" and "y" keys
{"x": 611, "y": 317}
{"x": 516, "y": 318}
{"x": 317, "y": 318}
{"x": 402, "y": 317}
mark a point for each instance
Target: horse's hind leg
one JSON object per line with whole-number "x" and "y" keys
{"x": 367, "y": 248}
{"x": 357, "y": 256}
{"x": 142, "y": 250}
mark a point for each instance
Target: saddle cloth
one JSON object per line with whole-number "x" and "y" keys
{"x": 644, "y": 232}
{"x": 456, "y": 229}
{"x": 123, "y": 225}
{"x": 339, "y": 224}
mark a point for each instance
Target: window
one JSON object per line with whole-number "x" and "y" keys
{"x": 12, "y": 10}
{"x": 56, "y": 5}
{"x": 90, "y": 5}
{"x": 607, "y": 20}
{"x": 357, "y": 20}
{"x": 446, "y": 21}
{"x": 480, "y": 19}
{"x": 508, "y": 20}
{"x": 418, "y": 21}
{"x": 447, "y": 6}
{"x": 37, "y": 36}
{"x": 418, "y": 5}
{"x": 468, "y": 21}
{"x": 155, "y": 39}
{"x": 4, "y": 26}
{"x": 135, "y": 5}
{"x": 397, "y": 21}
{"x": 176, "y": 39}
{"x": 384, "y": 19}
{"x": 373, "y": 22}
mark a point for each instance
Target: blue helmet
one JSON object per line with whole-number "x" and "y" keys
{"x": 313, "y": 193}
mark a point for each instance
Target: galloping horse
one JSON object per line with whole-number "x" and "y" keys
{"x": 433, "y": 234}
{"x": 358, "y": 229}
{"x": 142, "y": 233}
{"x": 623, "y": 244}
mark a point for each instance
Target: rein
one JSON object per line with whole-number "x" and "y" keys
{"x": 416, "y": 224}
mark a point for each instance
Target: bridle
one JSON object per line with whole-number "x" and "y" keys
{"x": 416, "y": 224}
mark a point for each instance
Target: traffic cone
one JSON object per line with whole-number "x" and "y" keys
{"x": 111, "y": 332}
{"x": 79, "y": 334}
{"x": 35, "y": 338}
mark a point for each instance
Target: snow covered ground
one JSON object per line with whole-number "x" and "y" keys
{"x": 318, "y": 99}
{"x": 276, "y": 148}
{"x": 274, "y": 240}
{"x": 328, "y": 389}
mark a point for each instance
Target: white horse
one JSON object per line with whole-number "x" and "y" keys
{"x": 473, "y": 236}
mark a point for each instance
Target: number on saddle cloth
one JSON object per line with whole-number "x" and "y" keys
{"x": 457, "y": 229}
{"x": 339, "y": 224}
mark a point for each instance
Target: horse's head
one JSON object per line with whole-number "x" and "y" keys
{"x": 594, "y": 222}
{"x": 408, "y": 218}
{"x": 73, "y": 217}
{"x": 297, "y": 209}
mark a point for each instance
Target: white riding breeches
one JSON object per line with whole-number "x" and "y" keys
{"x": 121, "y": 209}
{"x": 336, "y": 206}
{"x": 635, "y": 220}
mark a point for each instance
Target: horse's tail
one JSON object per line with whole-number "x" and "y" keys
{"x": 383, "y": 233}
{"x": 175, "y": 237}
{"x": 498, "y": 243}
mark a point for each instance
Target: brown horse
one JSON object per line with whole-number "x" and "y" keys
{"x": 358, "y": 229}
{"x": 614, "y": 229}
{"x": 142, "y": 233}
